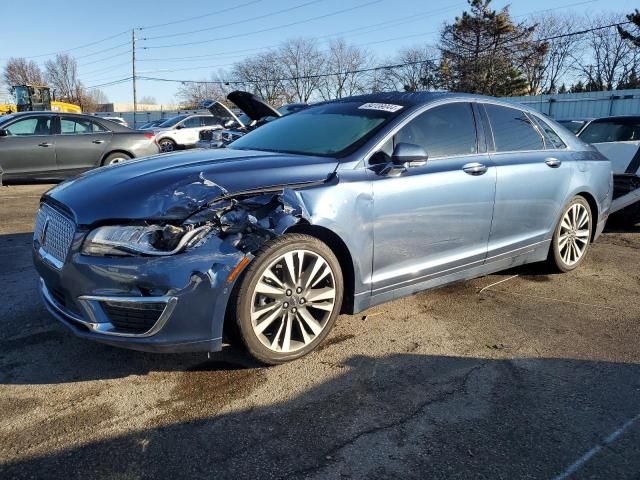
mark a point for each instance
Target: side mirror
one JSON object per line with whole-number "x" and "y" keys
{"x": 409, "y": 155}
{"x": 3, "y": 133}
{"x": 179, "y": 127}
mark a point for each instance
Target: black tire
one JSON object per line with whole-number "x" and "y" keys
{"x": 242, "y": 300}
{"x": 167, "y": 145}
{"x": 557, "y": 258}
{"x": 115, "y": 157}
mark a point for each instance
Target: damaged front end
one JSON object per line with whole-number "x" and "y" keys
{"x": 244, "y": 221}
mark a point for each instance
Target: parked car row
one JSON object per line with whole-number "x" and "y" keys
{"x": 266, "y": 241}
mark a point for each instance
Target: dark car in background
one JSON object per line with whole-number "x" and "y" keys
{"x": 52, "y": 146}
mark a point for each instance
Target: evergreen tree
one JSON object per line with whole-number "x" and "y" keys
{"x": 484, "y": 51}
{"x": 634, "y": 38}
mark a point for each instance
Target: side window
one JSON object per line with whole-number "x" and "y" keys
{"x": 210, "y": 121}
{"x": 553, "y": 139}
{"x": 76, "y": 126}
{"x": 512, "y": 130}
{"x": 30, "y": 126}
{"x": 192, "y": 122}
{"x": 443, "y": 131}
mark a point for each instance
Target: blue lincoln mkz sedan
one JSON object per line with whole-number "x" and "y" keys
{"x": 338, "y": 207}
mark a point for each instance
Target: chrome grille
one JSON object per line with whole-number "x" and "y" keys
{"x": 53, "y": 234}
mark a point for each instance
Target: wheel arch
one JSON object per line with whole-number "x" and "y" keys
{"x": 593, "y": 206}
{"x": 116, "y": 150}
{"x": 342, "y": 253}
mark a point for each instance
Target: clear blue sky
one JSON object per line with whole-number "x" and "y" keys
{"x": 41, "y": 28}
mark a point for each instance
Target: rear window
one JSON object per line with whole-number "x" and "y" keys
{"x": 611, "y": 131}
{"x": 512, "y": 130}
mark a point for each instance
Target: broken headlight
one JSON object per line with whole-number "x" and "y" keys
{"x": 154, "y": 240}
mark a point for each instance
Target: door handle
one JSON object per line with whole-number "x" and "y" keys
{"x": 553, "y": 162}
{"x": 98, "y": 141}
{"x": 475, "y": 168}
{"x": 45, "y": 144}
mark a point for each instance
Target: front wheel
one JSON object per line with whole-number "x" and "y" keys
{"x": 289, "y": 298}
{"x": 167, "y": 145}
{"x": 572, "y": 236}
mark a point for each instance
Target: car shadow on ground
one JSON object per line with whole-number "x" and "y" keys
{"x": 397, "y": 416}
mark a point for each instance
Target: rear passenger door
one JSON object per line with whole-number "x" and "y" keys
{"x": 532, "y": 183}
{"x": 28, "y": 149}
{"x": 80, "y": 144}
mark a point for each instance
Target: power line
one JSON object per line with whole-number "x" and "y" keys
{"x": 227, "y": 24}
{"x": 105, "y": 58}
{"x": 364, "y": 70}
{"x": 254, "y": 32}
{"x": 217, "y": 12}
{"x": 109, "y": 84}
{"x": 232, "y": 53}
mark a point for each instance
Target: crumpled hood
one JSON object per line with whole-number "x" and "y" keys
{"x": 173, "y": 186}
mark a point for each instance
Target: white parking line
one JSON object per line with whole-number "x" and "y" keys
{"x": 587, "y": 456}
{"x": 497, "y": 283}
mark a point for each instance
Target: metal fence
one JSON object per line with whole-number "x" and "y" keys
{"x": 584, "y": 105}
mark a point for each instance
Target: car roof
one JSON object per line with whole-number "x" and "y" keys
{"x": 618, "y": 118}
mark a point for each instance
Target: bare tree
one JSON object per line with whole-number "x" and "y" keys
{"x": 192, "y": 93}
{"x": 303, "y": 64}
{"x": 545, "y": 72}
{"x": 20, "y": 71}
{"x": 262, "y": 75}
{"x": 62, "y": 75}
{"x": 91, "y": 100}
{"x": 149, "y": 100}
{"x": 417, "y": 71}
{"x": 342, "y": 64}
{"x": 608, "y": 59}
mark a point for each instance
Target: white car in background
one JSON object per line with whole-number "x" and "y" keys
{"x": 618, "y": 139}
{"x": 183, "y": 131}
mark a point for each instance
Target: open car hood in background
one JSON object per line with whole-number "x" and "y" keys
{"x": 220, "y": 110}
{"x": 254, "y": 107}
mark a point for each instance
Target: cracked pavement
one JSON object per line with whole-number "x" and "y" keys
{"x": 519, "y": 381}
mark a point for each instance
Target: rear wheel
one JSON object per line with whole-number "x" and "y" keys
{"x": 116, "y": 157}
{"x": 572, "y": 236}
{"x": 167, "y": 145}
{"x": 289, "y": 298}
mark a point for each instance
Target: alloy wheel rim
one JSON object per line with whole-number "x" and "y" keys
{"x": 116, "y": 160}
{"x": 293, "y": 301}
{"x": 166, "y": 146}
{"x": 574, "y": 234}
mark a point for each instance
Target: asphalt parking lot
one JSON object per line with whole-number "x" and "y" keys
{"x": 518, "y": 375}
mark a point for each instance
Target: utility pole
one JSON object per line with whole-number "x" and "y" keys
{"x": 133, "y": 64}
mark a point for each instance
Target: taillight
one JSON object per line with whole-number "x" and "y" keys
{"x": 150, "y": 136}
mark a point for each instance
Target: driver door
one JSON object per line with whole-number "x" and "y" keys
{"x": 434, "y": 219}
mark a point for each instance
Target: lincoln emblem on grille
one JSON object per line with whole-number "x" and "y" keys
{"x": 43, "y": 232}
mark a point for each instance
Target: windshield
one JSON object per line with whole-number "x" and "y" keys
{"x": 172, "y": 121}
{"x": 572, "y": 125}
{"x": 611, "y": 131}
{"x": 332, "y": 129}
{"x": 22, "y": 96}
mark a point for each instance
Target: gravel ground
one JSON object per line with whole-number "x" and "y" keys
{"x": 534, "y": 377}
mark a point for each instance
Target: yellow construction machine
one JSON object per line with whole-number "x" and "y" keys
{"x": 30, "y": 98}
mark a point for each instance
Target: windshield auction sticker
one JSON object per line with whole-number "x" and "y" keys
{"x": 385, "y": 107}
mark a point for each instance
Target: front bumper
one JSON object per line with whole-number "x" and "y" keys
{"x": 190, "y": 288}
